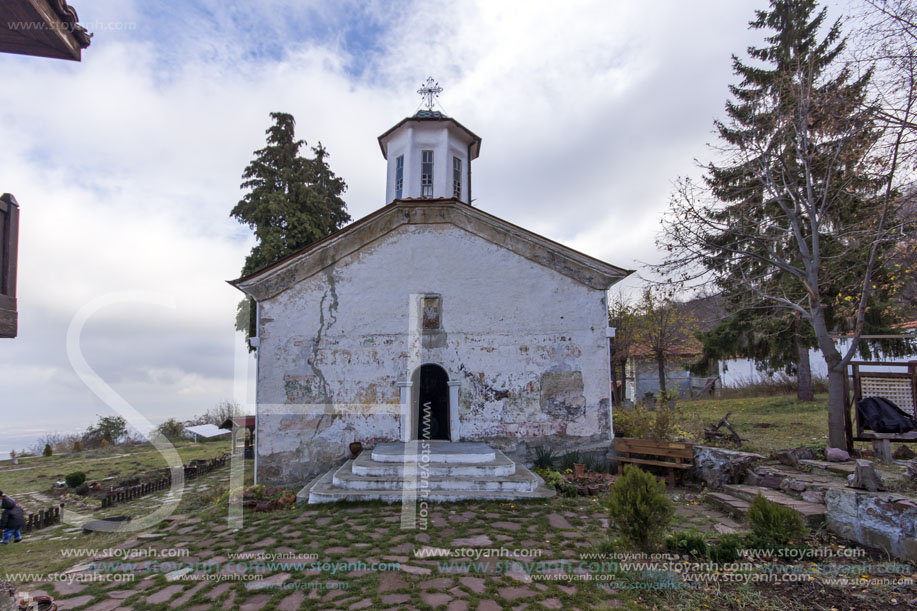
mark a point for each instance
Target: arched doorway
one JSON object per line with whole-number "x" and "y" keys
{"x": 431, "y": 402}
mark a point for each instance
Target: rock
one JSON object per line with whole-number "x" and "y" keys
{"x": 865, "y": 476}
{"x": 912, "y": 469}
{"x": 718, "y": 467}
{"x": 836, "y": 455}
{"x": 813, "y": 496}
{"x": 903, "y": 452}
{"x": 771, "y": 481}
{"x": 884, "y": 521}
{"x": 796, "y": 486}
{"x": 792, "y": 457}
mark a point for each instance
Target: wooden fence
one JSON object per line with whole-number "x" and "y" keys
{"x": 44, "y": 517}
{"x": 192, "y": 470}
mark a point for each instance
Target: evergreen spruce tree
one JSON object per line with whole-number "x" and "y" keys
{"x": 795, "y": 226}
{"x": 292, "y": 202}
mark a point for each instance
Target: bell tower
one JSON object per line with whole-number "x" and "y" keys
{"x": 429, "y": 155}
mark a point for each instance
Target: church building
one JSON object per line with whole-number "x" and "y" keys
{"x": 428, "y": 319}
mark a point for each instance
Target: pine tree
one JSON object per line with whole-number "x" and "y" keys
{"x": 292, "y": 202}
{"x": 794, "y": 219}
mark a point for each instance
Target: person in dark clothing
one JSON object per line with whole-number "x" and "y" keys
{"x": 12, "y": 520}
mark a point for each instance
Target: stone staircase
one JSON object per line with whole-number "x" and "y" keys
{"x": 804, "y": 492}
{"x": 426, "y": 470}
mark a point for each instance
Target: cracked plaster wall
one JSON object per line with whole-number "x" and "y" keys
{"x": 526, "y": 343}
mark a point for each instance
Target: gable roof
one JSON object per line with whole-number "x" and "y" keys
{"x": 312, "y": 259}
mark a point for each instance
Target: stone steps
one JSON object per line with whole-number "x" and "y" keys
{"x": 437, "y": 477}
{"x": 431, "y": 471}
{"x": 736, "y": 507}
{"x": 813, "y": 513}
{"x": 434, "y": 451}
{"x": 366, "y": 465}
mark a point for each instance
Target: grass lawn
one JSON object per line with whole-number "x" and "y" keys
{"x": 769, "y": 423}
{"x": 36, "y": 473}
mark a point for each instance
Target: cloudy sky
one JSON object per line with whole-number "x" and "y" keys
{"x": 127, "y": 164}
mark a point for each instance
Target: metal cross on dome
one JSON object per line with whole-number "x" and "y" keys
{"x": 430, "y": 91}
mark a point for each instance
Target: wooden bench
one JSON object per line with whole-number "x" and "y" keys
{"x": 669, "y": 454}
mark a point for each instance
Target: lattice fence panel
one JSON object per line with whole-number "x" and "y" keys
{"x": 898, "y": 391}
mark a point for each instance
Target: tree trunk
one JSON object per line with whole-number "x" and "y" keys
{"x": 837, "y": 373}
{"x": 837, "y": 403}
{"x": 660, "y": 361}
{"x": 623, "y": 391}
{"x": 803, "y": 373}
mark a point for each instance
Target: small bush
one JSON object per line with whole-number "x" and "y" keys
{"x": 595, "y": 464}
{"x": 729, "y": 549}
{"x": 47, "y": 451}
{"x": 631, "y": 422}
{"x": 774, "y": 524}
{"x": 688, "y": 542}
{"x": 639, "y": 508}
{"x": 569, "y": 459}
{"x": 660, "y": 424}
{"x": 103, "y": 444}
{"x": 172, "y": 429}
{"x": 555, "y": 479}
{"x": 77, "y": 446}
{"x": 75, "y": 479}
{"x": 544, "y": 457}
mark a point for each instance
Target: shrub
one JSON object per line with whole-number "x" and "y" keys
{"x": 660, "y": 424}
{"x": 631, "y": 422}
{"x": 774, "y": 524}
{"x": 688, "y": 542}
{"x": 569, "y": 459}
{"x": 639, "y": 508}
{"x": 172, "y": 429}
{"x": 544, "y": 457}
{"x": 729, "y": 549}
{"x": 595, "y": 464}
{"x": 103, "y": 444}
{"x": 555, "y": 479}
{"x": 77, "y": 446}
{"x": 47, "y": 451}
{"x": 75, "y": 479}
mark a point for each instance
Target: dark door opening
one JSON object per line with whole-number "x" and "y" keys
{"x": 432, "y": 402}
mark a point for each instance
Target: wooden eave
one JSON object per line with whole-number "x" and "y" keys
{"x": 42, "y": 28}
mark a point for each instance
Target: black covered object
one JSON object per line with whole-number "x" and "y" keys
{"x": 882, "y": 416}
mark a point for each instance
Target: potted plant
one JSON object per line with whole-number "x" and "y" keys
{"x": 355, "y": 448}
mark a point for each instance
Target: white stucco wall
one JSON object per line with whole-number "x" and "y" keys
{"x": 526, "y": 345}
{"x": 410, "y": 141}
{"x": 739, "y": 372}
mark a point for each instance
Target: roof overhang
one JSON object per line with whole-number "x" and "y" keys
{"x": 311, "y": 260}
{"x": 451, "y": 124}
{"x": 43, "y": 28}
